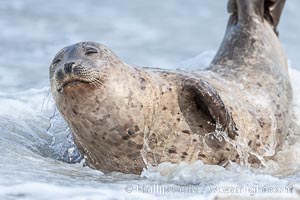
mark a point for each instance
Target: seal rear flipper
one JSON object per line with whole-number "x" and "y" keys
{"x": 243, "y": 11}
{"x": 205, "y": 111}
{"x": 273, "y": 11}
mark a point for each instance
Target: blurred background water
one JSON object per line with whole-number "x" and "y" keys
{"x": 145, "y": 33}
{"x": 153, "y": 33}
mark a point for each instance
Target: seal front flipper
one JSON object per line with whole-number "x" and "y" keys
{"x": 205, "y": 111}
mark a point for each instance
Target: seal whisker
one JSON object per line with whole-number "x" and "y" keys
{"x": 97, "y": 82}
{"x": 91, "y": 81}
{"x": 100, "y": 82}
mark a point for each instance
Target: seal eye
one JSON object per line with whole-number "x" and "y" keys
{"x": 90, "y": 51}
{"x": 56, "y": 61}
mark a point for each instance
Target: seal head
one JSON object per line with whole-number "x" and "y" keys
{"x": 81, "y": 63}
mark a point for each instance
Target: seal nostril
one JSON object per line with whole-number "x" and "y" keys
{"x": 68, "y": 67}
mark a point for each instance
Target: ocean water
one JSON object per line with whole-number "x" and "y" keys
{"x": 36, "y": 146}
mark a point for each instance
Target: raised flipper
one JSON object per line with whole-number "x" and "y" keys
{"x": 245, "y": 10}
{"x": 273, "y": 11}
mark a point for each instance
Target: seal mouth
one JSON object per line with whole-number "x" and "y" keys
{"x": 71, "y": 83}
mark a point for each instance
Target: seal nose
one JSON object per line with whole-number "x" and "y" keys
{"x": 68, "y": 67}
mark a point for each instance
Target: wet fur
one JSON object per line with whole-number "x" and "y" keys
{"x": 237, "y": 110}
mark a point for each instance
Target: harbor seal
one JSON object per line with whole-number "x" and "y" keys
{"x": 125, "y": 118}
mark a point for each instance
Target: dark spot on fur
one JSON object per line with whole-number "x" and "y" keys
{"x": 186, "y": 131}
{"x": 237, "y": 156}
{"x": 261, "y": 123}
{"x": 142, "y": 81}
{"x": 125, "y": 137}
{"x": 74, "y": 111}
{"x": 185, "y": 153}
{"x": 200, "y": 125}
{"x": 278, "y": 107}
{"x": 227, "y": 149}
{"x": 194, "y": 140}
{"x": 172, "y": 149}
{"x": 259, "y": 84}
{"x": 257, "y": 136}
{"x": 183, "y": 157}
{"x": 139, "y": 146}
{"x": 164, "y": 108}
{"x": 96, "y": 134}
{"x": 136, "y": 128}
{"x": 249, "y": 143}
{"x": 253, "y": 41}
{"x": 201, "y": 155}
{"x": 130, "y": 132}
{"x": 130, "y": 144}
{"x": 117, "y": 156}
{"x": 253, "y": 159}
{"x": 258, "y": 144}
{"x": 103, "y": 138}
{"x": 178, "y": 119}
